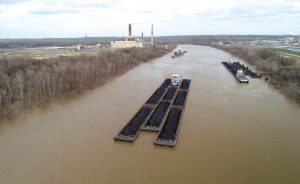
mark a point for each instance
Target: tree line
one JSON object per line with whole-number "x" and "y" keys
{"x": 27, "y": 82}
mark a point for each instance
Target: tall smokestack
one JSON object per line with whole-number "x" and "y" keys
{"x": 129, "y": 30}
{"x": 152, "y": 41}
{"x": 142, "y": 36}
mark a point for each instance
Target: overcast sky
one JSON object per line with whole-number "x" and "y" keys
{"x": 75, "y": 18}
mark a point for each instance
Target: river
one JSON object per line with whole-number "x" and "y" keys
{"x": 231, "y": 133}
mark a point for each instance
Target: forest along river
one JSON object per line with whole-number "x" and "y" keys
{"x": 231, "y": 133}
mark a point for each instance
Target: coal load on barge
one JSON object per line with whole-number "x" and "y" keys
{"x": 180, "y": 98}
{"x": 132, "y": 128}
{"x": 169, "y": 133}
{"x": 155, "y": 98}
{"x": 170, "y": 93}
{"x": 155, "y": 121}
{"x": 162, "y": 113}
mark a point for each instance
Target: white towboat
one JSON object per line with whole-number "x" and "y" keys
{"x": 176, "y": 78}
{"x": 241, "y": 76}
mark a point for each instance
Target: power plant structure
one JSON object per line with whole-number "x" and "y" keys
{"x": 152, "y": 37}
{"x": 130, "y": 40}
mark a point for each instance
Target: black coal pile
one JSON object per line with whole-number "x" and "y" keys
{"x": 170, "y": 93}
{"x": 169, "y": 130}
{"x": 159, "y": 92}
{"x": 135, "y": 123}
{"x": 159, "y": 113}
{"x": 180, "y": 98}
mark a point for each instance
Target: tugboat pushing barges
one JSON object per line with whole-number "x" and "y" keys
{"x": 241, "y": 76}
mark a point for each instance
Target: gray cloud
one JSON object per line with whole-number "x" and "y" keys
{"x": 54, "y": 11}
{"x": 108, "y": 17}
{"x": 254, "y": 12}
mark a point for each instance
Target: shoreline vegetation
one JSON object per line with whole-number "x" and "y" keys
{"x": 281, "y": 71}
{"x": 27, "y": 83}
{"x": 280, "y": 67}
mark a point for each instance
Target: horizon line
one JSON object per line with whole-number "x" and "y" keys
{"x": 40, "y": 38}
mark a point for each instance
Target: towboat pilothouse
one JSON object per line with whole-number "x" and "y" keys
{"x": 241, "y": 76}
{"x": 176, "y": 78}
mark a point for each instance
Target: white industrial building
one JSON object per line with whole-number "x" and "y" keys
{"x": 130, "y": 41}
{"x": 127, "y": 44}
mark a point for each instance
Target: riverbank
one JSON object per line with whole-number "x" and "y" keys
{"x": 27, "y": 82}
{"x": 280, "y": 71}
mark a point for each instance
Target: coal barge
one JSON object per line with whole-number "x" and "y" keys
{"x": 246, "y": 70}
{"x": 162, "y": 113}
{"x": 133, "y": 127}
{"x": 236, "y": 72}
{"x": 178, "y": 53}
{"x": 155, "y": 122}
{"x": 169, "y": 133}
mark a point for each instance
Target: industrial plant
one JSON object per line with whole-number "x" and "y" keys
{"x": 131, "y": 40}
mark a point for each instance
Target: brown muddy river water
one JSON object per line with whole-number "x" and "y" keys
{"x": 231, "y": 133}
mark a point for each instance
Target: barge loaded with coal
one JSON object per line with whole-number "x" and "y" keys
{"x": 239, "y": 71}
{"x": 161, "y": 113}
{"x": 169, "y": 133}
{"x": 178, "y": 53}
{"x": 236, "y": 72}
{"x": 133, "y": 127}
{"x": 246, "y": 70}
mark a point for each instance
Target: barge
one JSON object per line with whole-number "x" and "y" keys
{"x": 236, "y": 72}
{"x": 246, "y": 70}
{"x": 162, "y": 113}
{"x": 178, "y": 53}
{"x": 169, "y": 133}
{"x": 154, "y": 123}
{"x": 131, "y": 130}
